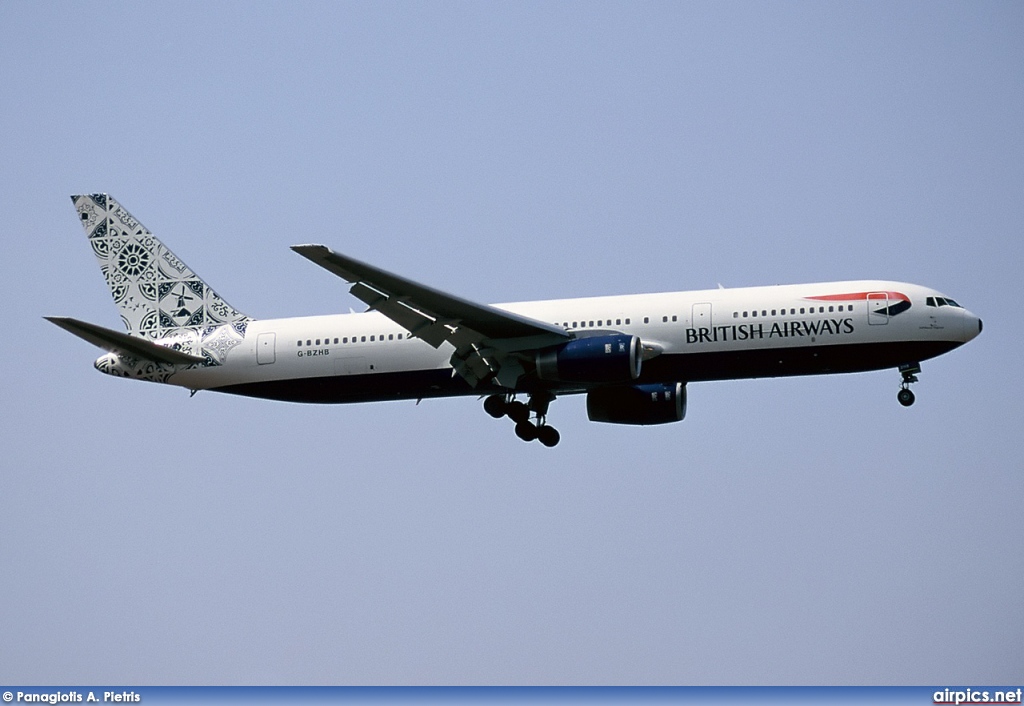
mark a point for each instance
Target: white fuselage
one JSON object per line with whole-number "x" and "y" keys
{"x": 697, "y": 335}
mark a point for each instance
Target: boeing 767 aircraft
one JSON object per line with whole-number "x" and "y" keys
{"x": 631, "y": 355}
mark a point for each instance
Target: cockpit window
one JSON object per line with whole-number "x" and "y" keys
{"x": 941, "y": 301}
{"x": 953, "y": 303}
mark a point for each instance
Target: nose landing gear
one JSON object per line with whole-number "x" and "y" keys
{"x": 909, "y": 372}
{"x": 506, "y": 405}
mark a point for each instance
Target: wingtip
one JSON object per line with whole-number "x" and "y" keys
{"x": 310, "y": 248}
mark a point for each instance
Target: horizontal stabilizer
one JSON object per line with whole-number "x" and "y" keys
{"x": 117, "y": 342}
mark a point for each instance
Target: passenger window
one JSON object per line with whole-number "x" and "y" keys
{"x": 773, "y": 312}
{"x": 627, "y": 322}
{"x": 399, "y": 337}
{"x": 647, "y": 320}
{"x": 308, "y": 342}
{"x": 754, "y": 314}
{"x": 831, "y": 309}
{"x": 673, "y": 317}
{"x": 345, "y": 340}
{"x": 802, "y": 310}
{"x": 735, "y": 314}
{"x": 618, "y": 322}
{"x": 300, "y": 343}
{"x": 363, "y": 339}
{"x": 591, "y": 324}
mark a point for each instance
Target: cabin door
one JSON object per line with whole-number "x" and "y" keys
{"x": 265, "y": 348}
{"x": 701, "y": 315}
{"x": 878, "y": 308}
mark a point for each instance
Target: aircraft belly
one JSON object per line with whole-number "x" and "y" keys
{"x": 367, "y": 387}
{"x": 694, "y": 366}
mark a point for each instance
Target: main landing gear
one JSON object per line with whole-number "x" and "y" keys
{"x": 909, "y": 372}
{"x": 499, "y": 406}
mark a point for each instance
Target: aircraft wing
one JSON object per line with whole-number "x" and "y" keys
{"x": 485, "y": 337}
{"x": 117, "y": 342}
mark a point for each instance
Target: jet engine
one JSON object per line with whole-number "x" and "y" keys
{"x": 638, "y": 404}
{"x": 613, "y": 358}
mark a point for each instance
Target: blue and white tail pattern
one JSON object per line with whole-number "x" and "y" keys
{"x": 157, "y": 294}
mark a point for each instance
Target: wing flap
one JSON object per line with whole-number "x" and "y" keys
{"x": 417, "y": 323}
{"x": 117, "y": 342}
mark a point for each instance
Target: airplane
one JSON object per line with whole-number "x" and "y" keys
{"x": 631, "y": 355}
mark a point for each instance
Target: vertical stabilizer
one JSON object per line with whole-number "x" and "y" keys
{"x": 156, "y": 293}
{"x": 158, "y": 296}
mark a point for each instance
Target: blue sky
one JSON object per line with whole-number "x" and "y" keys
{"x": 788, "y": 531}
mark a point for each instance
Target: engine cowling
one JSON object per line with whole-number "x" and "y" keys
{"x": 638, "y": 404}
{"x": 613, "y": 358}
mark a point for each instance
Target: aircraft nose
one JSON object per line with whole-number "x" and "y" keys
{"x": 972, "y": 327}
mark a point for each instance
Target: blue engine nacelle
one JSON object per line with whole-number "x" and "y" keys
{"x": 614, "y": 358}
{"x": 639, "y": 404}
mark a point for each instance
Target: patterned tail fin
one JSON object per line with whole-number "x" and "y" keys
{"x": 157, "y": 294}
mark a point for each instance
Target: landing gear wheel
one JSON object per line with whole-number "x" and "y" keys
{"x": 496, "y": 406}
{"x": 518, "y": 413}
{"x": 909, "y": 372}
{"x": 548, "y": 436}
{"x": 526, "y": 431}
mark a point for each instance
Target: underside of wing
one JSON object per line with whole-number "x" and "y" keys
{"x": 488, "y": 341}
